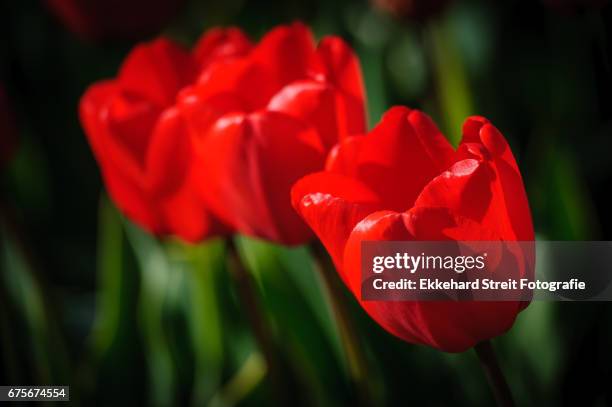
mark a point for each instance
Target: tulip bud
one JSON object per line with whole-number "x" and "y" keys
{"x": 404, "y": 181}
{"x": 262, "y": 121}
{"x": 141, "y": 143}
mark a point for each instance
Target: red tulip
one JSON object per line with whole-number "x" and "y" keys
{"x": 8, "y": 129}
{"x": 114, "y": 19}
{"x": 404, "y": 181}
{"x": 140, "y": 139}
{"x": 263, "y": 120}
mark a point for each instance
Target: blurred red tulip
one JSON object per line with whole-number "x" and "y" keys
{"x": 140, "y": 140}
{"x": 262, "y": 120}
{"x": 404, "y": 181}
{"x": 8, "y": 129}
{"x": 115, "y": 19}
{"x": 411, "y": 9}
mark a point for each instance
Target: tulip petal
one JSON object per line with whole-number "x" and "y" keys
{"x": 378, "y": 226}
{"x": 251, "y": 163}
{"x": 464, "y": 323}
{"x": 343, "y": 158}
{"x": 169, "y": 154}
{"x": 449, "y": 326}
{"x": 95, "y": 116}
{"x": 285, "y": 53}
{"x": 156, "y": 71}
{"x": 221, "y": 44}
{"x": 252, "y": 85}
{"x": 341, "y": 67}
{"x": 200, "y": 114}
{"x": 131, "y": 122}
{"x": 332, "y": 204}
{"x": 396, "y": 159}
{"x": 466, "y": 189}
{"x": 315, "y": 103}
{"x": 483, "y": 140}
{"x": 280, "y": 57}
{"x": 473, "y": 189}
{"x": 185, "y": 214}
{"x": 430, "y": 138}
{"x": 131, "y": 199}
{"x": 122, "y": 177}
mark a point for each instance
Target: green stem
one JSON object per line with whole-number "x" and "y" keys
{"x": 204, "y": 261}
{"x": 250, "y": 374}
{"x": 31, "y": 295}
{"x": 245, "y": 288}
{"x": 494, "y": 374}
{"x": 154, "y": 286}
{"x": 350, "y": 341}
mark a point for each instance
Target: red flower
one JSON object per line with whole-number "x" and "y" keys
{"x": 140, "y": 140}
{"x": 114, "y": 19}
{"x": 8, "y": 129}
{"x": 263, "y": 120}
{"x": 404, "y": 181}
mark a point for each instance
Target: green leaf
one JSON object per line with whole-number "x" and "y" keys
{"x": 314, "y": 357}
{"x": 116, "y": 359}
{"x": 452, "y": 87}
{"x": 109, "y": 304}
{"x": 24, "y": 294}
{"x": 201, "y": 265}
{"x": 155, "y": 282}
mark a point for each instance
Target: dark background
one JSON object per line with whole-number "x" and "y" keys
{"x": 77, "y": 306}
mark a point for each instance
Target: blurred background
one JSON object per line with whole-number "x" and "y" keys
{"x": 89, "y": 300}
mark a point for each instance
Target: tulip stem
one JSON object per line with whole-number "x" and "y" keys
{"x": 495, "y": 376}
{"x": 350, "y": 341}
{"x": 246, "y": 292}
